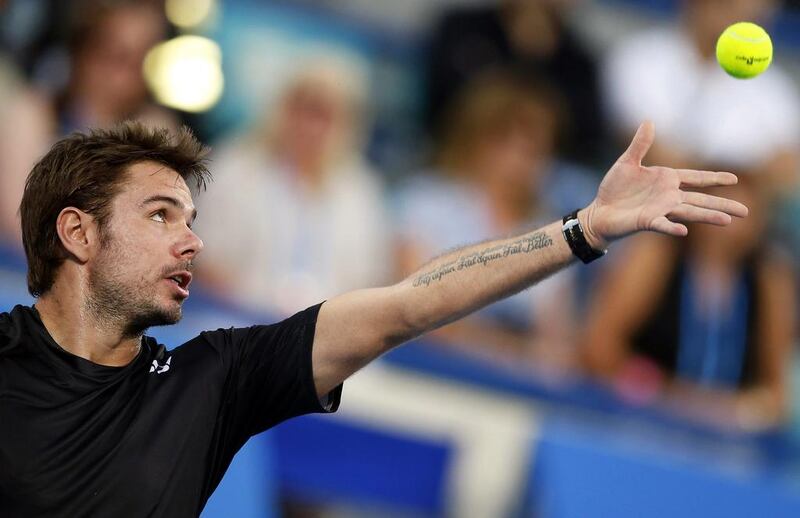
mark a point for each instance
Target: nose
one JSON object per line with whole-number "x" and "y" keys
{"x": 189, "y": 245}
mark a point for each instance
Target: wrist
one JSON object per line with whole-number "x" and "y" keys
{"x": 576, "y": 237}
{"x": 586, "y": 218}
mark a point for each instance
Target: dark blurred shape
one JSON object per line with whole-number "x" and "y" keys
{"x": 496, "y": 174}
{"x": 29, "y": 28}
{"x": 704, "y": 324}
{"x": 531, "y": 36}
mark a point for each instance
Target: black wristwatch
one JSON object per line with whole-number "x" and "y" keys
{"x": 576, "y": 239}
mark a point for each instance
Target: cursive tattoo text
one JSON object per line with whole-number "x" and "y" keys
{"x": 525, "y": 245}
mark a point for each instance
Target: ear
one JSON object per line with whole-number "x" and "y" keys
{"x": 78, "y": 232}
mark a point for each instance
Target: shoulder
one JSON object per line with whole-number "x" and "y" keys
{"x": 430, "y": 199}
{"x": 239, "y": 161}
{"x": 646, "y": 258}
{"x": 297, "y": 327}
{"x": 639, "y": 49}
{"x": 5, "y": 325}
{"x": 569, "y": 186}
{"x": 777, "y": 86}
{"x": 669, "y": 39}
{"x": 12, "y": 327}
{"x": 435, "y": 191}
{"x": 357, "y": 178}
{"x": 430, "y": 188}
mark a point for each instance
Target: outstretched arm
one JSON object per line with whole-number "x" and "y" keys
{"x": 356, "y": 327}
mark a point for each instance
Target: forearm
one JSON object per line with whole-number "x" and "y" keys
{"x": 354, "y": 328}
{"x": 469, "y": 278}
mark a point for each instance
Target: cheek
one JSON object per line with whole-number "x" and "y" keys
{"x": 126, "y": 257}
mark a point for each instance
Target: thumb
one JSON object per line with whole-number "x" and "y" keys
{"x": 640, "y": 144}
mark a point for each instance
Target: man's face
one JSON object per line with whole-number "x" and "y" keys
{"x": 140, "y": 275}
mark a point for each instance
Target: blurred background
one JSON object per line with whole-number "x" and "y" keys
{"x": 355, "y": 139}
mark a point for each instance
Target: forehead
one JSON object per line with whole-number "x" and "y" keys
{"x": 145, "y": 179}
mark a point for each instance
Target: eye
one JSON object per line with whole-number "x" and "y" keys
{"x": 160, "y": 216}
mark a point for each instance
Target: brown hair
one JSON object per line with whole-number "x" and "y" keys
{"x": 491, "y": 105}
{"x": 86, "y": 171}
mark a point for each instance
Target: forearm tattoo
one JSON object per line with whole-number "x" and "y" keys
{"x": 525, "y": 245}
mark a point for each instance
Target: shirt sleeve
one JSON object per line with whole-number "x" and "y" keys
{"x": 269, "y": 375}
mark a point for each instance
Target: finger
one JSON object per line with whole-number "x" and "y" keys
{"x": 691, "y": 214}
{"x": 640, "y": 144}
{"x": 693, "y": 178}
{"x": 665, "y": 226}
{"x": 707, "y": 201}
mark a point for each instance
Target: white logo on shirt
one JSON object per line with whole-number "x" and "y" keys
{"x": 160, "y": 368}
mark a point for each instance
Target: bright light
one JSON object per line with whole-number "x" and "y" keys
{"x": 189, "y": 13}
{"x": 185, "y": 73}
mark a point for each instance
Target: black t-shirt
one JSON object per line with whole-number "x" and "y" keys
{"x": 152, "y": 438}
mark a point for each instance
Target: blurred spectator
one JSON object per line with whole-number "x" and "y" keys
{"x": 706, "y": 323}
{"x": 25, "y": 134}
{"x": 670, "y": 75}
{"x": 107, "y": 48}
{"x": 494, "y": 168}
{"x": 532, "y": 36}
{"x": 295, "y": 215}
{"x": 703, "y": 116}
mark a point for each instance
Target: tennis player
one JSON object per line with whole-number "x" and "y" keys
{"x": 97, "y": 419}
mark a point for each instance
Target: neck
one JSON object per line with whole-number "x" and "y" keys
{"x": 310, "y": 172}
{"x": 704, "y": 42}
{"x": 78, "y": 329}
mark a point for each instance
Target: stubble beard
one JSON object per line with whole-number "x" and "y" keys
{"x": 124, "y": 305}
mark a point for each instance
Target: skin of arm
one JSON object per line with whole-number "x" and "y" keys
{"x": 354, "y": 328}
{"x": 776, "y": 329}
{"x": 551, "y": 314}
{"x": 444, "y": 290}
{"x": 619, "y": 304}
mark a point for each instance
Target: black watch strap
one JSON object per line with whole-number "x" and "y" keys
{"x": 573, "y": 233}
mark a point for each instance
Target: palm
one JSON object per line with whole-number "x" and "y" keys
{"x": 633, "y": 197}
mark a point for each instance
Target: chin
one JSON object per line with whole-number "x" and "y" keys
{"x": 171, "y": 313}
{"x": 154, "y": 317}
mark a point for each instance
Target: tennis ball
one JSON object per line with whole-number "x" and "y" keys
{"x": 744, "y": 50}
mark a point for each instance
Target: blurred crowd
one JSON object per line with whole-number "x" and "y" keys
{"x": 518, "y": 120}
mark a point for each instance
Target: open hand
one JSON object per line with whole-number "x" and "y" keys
{"x": 633, "y": 197}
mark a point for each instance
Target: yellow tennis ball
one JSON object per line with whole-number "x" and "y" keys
{"x": 744, "y": 50}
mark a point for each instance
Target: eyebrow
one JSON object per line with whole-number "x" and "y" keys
{"x": 169, "y": 200}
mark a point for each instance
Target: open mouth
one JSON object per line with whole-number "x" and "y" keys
{"x": 181, "y": 280}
